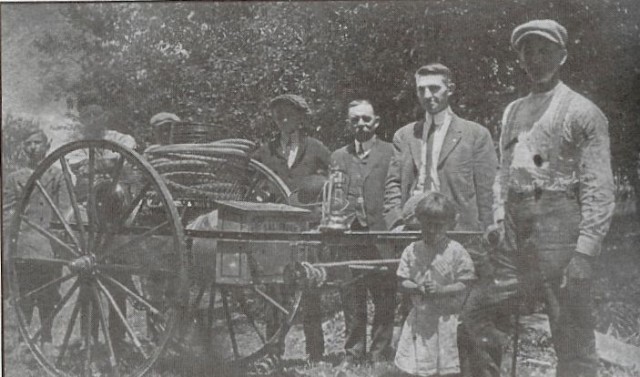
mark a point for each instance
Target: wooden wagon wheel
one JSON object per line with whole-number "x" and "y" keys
{"x": 249, "y": 323}
{"x": 104, "y": 270}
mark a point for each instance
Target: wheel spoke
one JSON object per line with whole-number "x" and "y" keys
{"x": 49, "y": 235}
{"x": 117, "y": 171}
{"x": 74, "y": 201}
{"x": 126, "y": 218}
{"x": 132, "y": 294}
{"x": 50, "y": 261}
{"x": 123, "y": 319}
{"x": 67, "y": 334}
{"x": 134, "y": 241}
{"x": 91, "y": 199}
{"x": 135, "y": 203}
{"x": 271, "y": 300}
{"x": 87, "y": 316}
{"x": 133, "y": 270}
{"x": 245, "y": 309}
{"x": 58, "y": 214}
{"x": 227, "y": 316}
{"x": 102, "y": 317}
{"x": 56, "y": 309}
{"x": 45, "y": 286}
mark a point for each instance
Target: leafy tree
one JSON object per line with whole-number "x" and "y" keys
{"x": 221, "y": 62}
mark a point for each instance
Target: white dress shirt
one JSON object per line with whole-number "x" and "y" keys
{"x": 366, "y": 147}
{"x": 442, "y": 121}
{"x": 290, "y": 144}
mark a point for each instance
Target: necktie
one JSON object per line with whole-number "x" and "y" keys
{"x": 360, "y": 150}
{"x": 432, "y": 129}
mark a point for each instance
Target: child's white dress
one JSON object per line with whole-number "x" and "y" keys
{"x": 427, "y": 344}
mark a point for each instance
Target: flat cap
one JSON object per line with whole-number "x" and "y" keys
{"x": 291, "y": 99}
{"x": 548, "y": 29}
{"x": 161, "y": 118}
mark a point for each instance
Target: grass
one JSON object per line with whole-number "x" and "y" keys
{"x": 617, "y": 309}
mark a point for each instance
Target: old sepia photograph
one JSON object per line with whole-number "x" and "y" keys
{"x": 436, "y": 188}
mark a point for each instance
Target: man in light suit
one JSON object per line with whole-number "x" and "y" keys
{"x": 365, "y": 162}
{"x": 443, "y": 153}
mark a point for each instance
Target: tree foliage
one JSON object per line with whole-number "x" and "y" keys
{"x": 221, "y": 62}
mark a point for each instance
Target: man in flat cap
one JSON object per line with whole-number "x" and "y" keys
{"x": 31, "y": 273}
{"x": 554, "y": 195}
{"x": 295, "y": 157}
{"x": 161, "y": 124}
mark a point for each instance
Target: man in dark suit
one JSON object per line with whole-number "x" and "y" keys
{"x": 443, "y": 153}
{"x": 365, "y": 162}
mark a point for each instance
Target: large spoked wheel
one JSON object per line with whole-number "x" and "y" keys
{"x": 248, "y": 324}
{"x": 101, "y": 258}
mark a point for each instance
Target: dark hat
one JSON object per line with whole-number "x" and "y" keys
{"x": 162, "y": 118}
{"x": 291, "y": 99}
{"x": 548, "y": 29}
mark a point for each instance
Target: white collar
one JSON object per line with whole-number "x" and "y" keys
{"x": 366, "y": 145}
{"x": 440, "y": 118}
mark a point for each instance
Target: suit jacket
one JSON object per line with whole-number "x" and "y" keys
{"x": 467, "y": 167}
{"x": 375, "y": 173}
{"x": 313, "y": 157}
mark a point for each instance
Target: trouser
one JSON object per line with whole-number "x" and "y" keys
{"x": 311, "y": 308}
{"x": 117, "y": 329}
{"x": 382, "y": 287}
{"x": 312, "y": 323}
{"x": 32, "y": 275}
{"x": 540, "y": 235}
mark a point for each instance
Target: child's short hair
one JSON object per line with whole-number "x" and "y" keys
{"x": 436, "y": 207}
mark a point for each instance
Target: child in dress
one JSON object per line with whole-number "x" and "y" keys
{"x": 435, "y": 272}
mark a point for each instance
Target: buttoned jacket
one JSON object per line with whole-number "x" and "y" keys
{"x": 466, "y": 168}
{"x": 374, "y": 173}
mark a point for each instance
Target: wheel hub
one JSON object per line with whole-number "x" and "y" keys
{"x": 83, "y": 264}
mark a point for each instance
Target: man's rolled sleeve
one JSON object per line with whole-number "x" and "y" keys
{"x": 590, "y": 129}
{"x": 502, "y": 177}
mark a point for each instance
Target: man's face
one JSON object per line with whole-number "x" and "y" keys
{"x": 287, "y": 118}
{"x": 541, "y": 58}
{"x": 363, "y": 121}
{"x": 36, "y": 147}
{"x": 433, "y": 92}
{"x": 162, "y": 133}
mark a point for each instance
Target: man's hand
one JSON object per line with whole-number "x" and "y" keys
{"x": 494, "y": 234}
{"x": 579, "y": 268}
{"x": 432, "y": 287}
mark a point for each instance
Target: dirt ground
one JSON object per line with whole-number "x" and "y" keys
{"x": 617, "y": 309}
